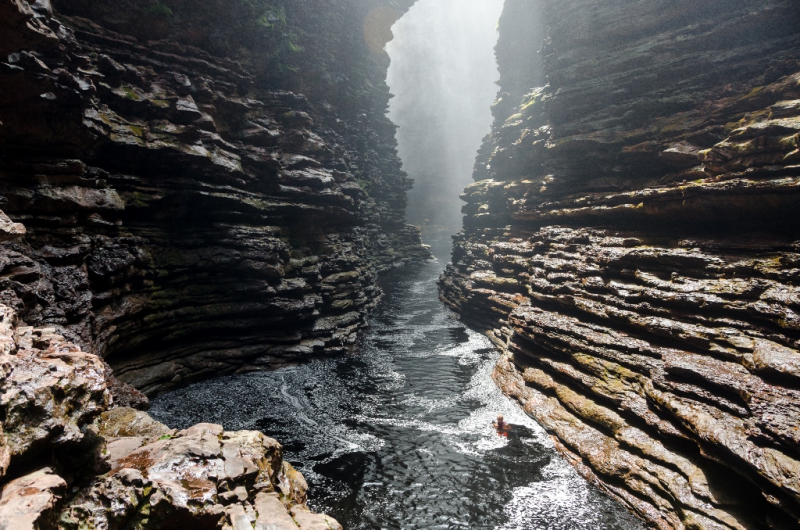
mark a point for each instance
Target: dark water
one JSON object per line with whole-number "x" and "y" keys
{"x": 400, "y": 435}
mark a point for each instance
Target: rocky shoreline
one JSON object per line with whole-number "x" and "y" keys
{"x": 72, "y": 458}
{"x": 630, "y": 243}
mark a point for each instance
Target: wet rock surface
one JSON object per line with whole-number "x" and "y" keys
{"x": 201, "y": 477}
{"x": 176, "y": 212}
{"x": 31, "y": 502}
{"x": 50, "y": 389}
{"x": 630, "y": 243}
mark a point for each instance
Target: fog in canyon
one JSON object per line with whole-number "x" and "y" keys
{"x": 443, "y": 74}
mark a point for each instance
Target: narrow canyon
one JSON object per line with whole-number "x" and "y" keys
{"x": 206, "y": 214}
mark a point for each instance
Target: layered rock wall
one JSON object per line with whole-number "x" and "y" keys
{"x": 179, "y": 214}
{"x": 183, "y": 214}
{"x": 631, "y": 243}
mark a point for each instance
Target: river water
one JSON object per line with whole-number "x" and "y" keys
{"x": 399, "y": 435}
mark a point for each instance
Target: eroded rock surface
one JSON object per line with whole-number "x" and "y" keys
{"x": 31, "y": 502}
{"x": 115, "y": 467}
{"x": 202, "y": 477}
{"x": 631, "y": 242}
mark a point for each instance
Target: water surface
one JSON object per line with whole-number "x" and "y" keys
{"x": 399, "y": 435}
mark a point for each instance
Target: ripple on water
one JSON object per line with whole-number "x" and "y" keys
{"x": 399, "y": 435}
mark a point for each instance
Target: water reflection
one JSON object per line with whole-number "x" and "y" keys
{"x": 400, "y": 435}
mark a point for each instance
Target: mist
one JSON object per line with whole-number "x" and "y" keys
{"x": 443, "y": 74}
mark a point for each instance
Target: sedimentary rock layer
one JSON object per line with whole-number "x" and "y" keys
{"x": 179, "y": 214}
{"x": 183, "y": 214}
{"x": 631, "y": 243}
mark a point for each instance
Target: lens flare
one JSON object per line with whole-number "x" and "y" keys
{"x": 378, "y": 28}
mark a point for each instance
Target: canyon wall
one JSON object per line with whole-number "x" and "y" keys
{"x": 631, "y": 243}
{"x": 175, "y": 214}
{"x": 184, "y": 214}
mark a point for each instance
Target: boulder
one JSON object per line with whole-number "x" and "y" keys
{"x": 32, "y": 502}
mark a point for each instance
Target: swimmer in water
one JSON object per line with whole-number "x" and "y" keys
{"x": 501, "y": 426}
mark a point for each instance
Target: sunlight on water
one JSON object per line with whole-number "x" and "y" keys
{"x": 400, "y": 435}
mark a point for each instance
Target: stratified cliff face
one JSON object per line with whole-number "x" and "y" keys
{"x": 179, "y": 214}
{"x": 632, "y": 244}
{"x": 182, "y": 214}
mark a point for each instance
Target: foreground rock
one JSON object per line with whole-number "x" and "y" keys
{"x": 117, "y": 467}
{"x": 202, "y": 477}
{"x": 49, "y": 391}
{"x": 32, "y": 501}
{"x": 631, "y": 244}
